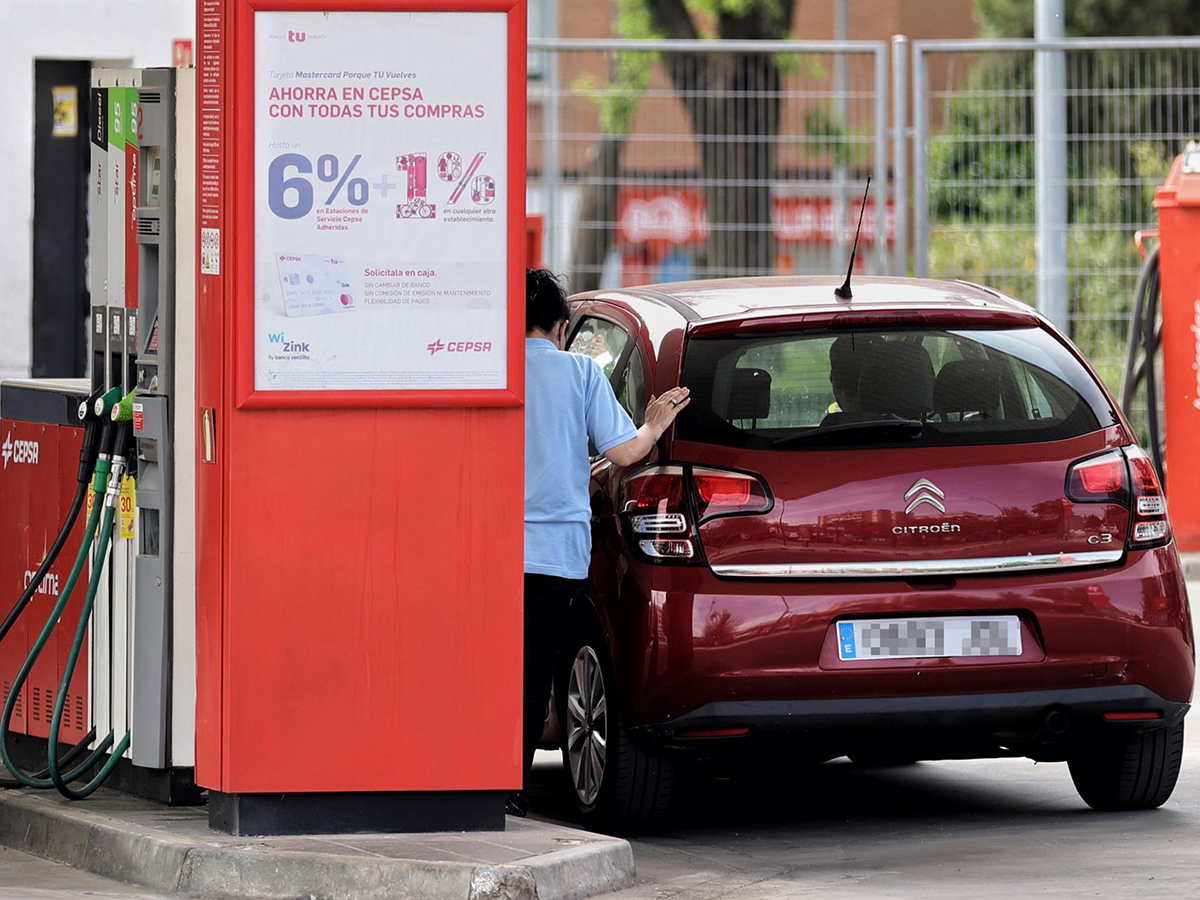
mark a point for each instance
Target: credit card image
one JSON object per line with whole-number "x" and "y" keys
{"x": 314, "y": 285}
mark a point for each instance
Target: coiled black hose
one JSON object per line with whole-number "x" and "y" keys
{"x": 93, "y": 433}
{"x": 1145, "y": 338}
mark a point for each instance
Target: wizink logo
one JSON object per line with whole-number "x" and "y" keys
{"x": 435, "y": 347}
{"x": 287, "y": 346}
{"x": 296, "y": 37}
{"x": 18, "y": 451}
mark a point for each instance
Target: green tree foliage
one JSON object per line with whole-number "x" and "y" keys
{"x": 727, "y": 97}
{"x": 1122, "y": 107}
{"x": 1093, "y": 18}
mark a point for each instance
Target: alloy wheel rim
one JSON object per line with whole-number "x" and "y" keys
{"x": 587, "y": 725}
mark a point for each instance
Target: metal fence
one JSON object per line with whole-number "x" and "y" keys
{"x": 1045, "y": 206}
{"x": 666, "y": 160}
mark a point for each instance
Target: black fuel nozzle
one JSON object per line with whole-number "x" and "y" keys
{"x": 93, "y": 426}
{"x": 87, "y": 408}
{"x": 123, "y": 439}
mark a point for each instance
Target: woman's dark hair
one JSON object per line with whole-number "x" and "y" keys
{"x": 545, "y": 301}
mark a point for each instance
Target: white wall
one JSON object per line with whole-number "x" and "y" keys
{"x": 137, "y": 30}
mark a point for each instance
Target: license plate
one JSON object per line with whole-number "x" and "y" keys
{"x": 945, "y": 636}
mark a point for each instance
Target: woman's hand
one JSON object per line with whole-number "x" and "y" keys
{"x": 661, "y": 411}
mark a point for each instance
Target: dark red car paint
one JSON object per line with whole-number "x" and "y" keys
{"x": 681, "y": 637}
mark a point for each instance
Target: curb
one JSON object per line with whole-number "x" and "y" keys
{"x": 154, "y": 859}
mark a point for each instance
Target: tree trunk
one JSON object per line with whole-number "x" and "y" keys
{"x": 734, "y": 103}
{"x": 737, "y": 128}
{"x": 597, "y": 215}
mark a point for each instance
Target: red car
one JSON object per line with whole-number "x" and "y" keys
{"x": 911, "y": 525}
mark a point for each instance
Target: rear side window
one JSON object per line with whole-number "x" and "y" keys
{"x": 631, "y": 390}
{"x": 600, "y": 339}
{"x": 925, "y": 387}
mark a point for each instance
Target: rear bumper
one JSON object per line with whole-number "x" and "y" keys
{"x": 1018, "y": 712}
{"x": 685, "y": 641}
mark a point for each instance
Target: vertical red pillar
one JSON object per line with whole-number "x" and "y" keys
{"x": 359, "y": 387}
{"x": 1178, "y": 203}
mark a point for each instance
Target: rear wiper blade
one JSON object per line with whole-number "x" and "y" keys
{"x": 882, "y": 428}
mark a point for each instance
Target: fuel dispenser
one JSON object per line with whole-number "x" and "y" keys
{"x": 297, "y": 583}
{"x": 130, "y": 667}
{"x": 1166, "y": 315}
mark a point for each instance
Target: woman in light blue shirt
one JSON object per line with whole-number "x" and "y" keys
{"x": 568, "y": 401}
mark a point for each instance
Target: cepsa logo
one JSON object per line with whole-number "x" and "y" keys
{"x": 459, "y": 347}
{"x": 25, "y": 452}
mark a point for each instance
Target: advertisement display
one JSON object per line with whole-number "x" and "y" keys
{"x": 381, "y": 201}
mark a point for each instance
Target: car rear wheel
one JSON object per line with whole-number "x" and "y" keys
{"x": 617, "y": 782}
{"x": 1128, "y": 770}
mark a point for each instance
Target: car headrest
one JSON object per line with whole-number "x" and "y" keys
{"x": 897, "y": 378}
{"x": 967, "y": 385}
{"x": 750, "y": 394}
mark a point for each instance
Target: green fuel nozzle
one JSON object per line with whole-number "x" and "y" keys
{"x": 106, "y": 402}
{"x": 123, "y": 411}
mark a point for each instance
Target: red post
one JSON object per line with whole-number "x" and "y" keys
{"x": 1178, "y": 203}
{"x": 359, "y": 509}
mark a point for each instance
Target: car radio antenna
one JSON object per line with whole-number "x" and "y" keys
{"x": 844, "y": 291}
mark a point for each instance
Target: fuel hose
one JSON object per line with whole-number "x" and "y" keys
{"x": 1145, "y": 339}
{"x": 32, "y": 779}
{"x": 110, "y": 501}
{"x": 93, "y": 428}
{"x": 100, "y": 409}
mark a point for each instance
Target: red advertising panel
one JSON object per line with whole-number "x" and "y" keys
{"x": 360, "y": 375}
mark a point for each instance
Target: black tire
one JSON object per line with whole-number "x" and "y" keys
{"x": 1128, "y": 770}
{"x": 637, "y": 781}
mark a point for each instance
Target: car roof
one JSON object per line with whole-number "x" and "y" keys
{"x": 778, "y": 295}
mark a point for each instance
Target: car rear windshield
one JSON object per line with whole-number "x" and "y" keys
{"x": 905, "y": 387}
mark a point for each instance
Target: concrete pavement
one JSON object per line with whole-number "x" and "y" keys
{"x": 172, "y": 851}
{"x": 25, "y": 877}
{"x": 932, "y": 831}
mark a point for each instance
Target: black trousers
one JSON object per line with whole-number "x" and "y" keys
{"x": 547, "y": 600}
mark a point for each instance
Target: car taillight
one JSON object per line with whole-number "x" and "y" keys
{"x": 655, "y": 490}
{"x": 1099, "y": 478}
{"x": 1150, "y": 526}
{"x": 653, "y": 499}
{"x": 663, "y": 503}
{"x": 722, "y": 493}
